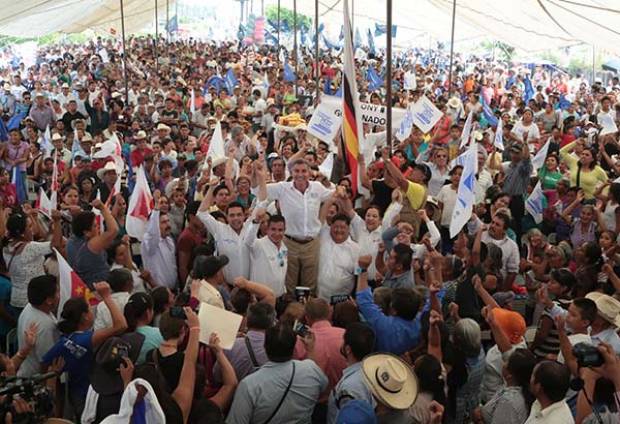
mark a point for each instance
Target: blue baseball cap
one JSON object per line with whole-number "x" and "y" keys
{"x": 356, "y": 412}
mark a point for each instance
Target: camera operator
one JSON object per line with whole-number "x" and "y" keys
{"x": 599, "y": 401}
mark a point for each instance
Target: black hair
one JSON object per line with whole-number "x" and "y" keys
{"x": 587, "y": 308}
{"x": 161, "y": 297}
{"x": 219, "y": 188}
{"x": 280, "y": 342}
{"x": 41, "y": 288}
{"x": 16, "y": 225}
{"x": 170, "y": 327}
{"x": 111, "y": 251}
{"x": 82, "y": 222}
{"x": 136, "y": 307}
{"x": 554, "y": 379}
{"x": 404, "y": 255}
{"x": 360, "y": 338}
{"x": 505, "y": 219}
{"x": 276, "y": 218}
{"x": 429, "y": 372}
{"x": 614, "y": 192}
{"x": 240, "y": 300}
{"x": 520, "y": 364}
{"x": 405, "y": 303}
{"x": 192, "y": 208}
{"x": 120, "y": 279}
{"x": 71, "y": 315}
{"x": 456, "y": 168}
{"x": 342, "y": 217}
{"x": 235, "y": 205}
{"x": 260, "y": 316}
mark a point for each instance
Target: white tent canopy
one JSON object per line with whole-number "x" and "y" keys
{"x": 31, "y": 18}
{"x": 530, "y": 25}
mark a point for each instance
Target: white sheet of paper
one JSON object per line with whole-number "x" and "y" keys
{"x": 425, "y": 114}
{"x": 216, "y": 320}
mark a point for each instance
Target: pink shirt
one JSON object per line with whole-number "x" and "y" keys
{"x": 327, "y": 344}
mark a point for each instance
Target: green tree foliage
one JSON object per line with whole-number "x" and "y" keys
{"x": 286, "y": 15}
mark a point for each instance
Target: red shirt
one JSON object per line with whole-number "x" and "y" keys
{"x": 8, "y": 195}
{"x": 328, "y": 341}
{"x": 137, "y": 156}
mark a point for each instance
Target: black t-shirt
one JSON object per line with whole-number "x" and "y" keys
{"x": 170, "y": 367}
{"x": 383, "y": 194}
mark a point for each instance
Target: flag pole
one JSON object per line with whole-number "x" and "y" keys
{"x": 451, "y": 47}
{"x": 388, "y": 94}
{"x": 167, "y": 20}
{"x": 124, "y": 54}
{"x": 317, "y": 67}
{"x": 295, "y": 41}
{"x": 156, "y": 39}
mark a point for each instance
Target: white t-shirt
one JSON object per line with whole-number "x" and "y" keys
{"x": 532, "y": 130}
{"x": 23, "y": 267}
{"x": 47, "y": 335}
{"x": 447, "y": 196}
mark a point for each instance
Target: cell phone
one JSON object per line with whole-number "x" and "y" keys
{"x": 339, "y": 298}
{"x": 177, "y": 312}
{"x": 300, "y": 328}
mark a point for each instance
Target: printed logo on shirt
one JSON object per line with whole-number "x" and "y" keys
{"x": 75, "y": 349}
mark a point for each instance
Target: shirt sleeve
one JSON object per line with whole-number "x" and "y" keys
{"x": 415, "y": 194}
{"x": 46, "y": 340}
{"x": 52, "y": 354}
{"x": 512, "y": 262}
{"x": 242, "y": 406}
{"x": 368, "y": 308}
{"x": 38, "y": 248}
{"x": 152, "y": 234}
{"x": 250, "y": 234}
{"x": 274, "y": 190}
{"x": 212, "y": 224}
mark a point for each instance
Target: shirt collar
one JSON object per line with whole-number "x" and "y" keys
{"x": 543, "y": 413}
{"x": 321, "y": 324}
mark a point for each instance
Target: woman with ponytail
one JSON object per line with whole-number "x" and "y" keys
{"x": 139, "y": 314}
{"x": 79, "y": 342}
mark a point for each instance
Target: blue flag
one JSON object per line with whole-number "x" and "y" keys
{"x": 284, "y": 26}
{"x": 510, "y": 82}
{"x": 563, "y": 103}
{"x": 529, "y": 90}
{"x": 358, "y": 39}
{"x": 327, "y": 86}
{"x": 381, "y": 29}
{"x": 20, "y": 185}
{"x": 15, "y": 121}
{"x": 4, "y": 131}
{"x": 329, "y": 44}
{"x": 371, "y": 43}
{"x": 270, "y": 38}
{"x": 488, "y": 113}
{"x": 289, "y": 73}
{"x": 339, "y": 91}
{"x": 215, "y": 81}
{"x": 231, "y": 81}
{"x": 173, "y": 24}
{"x": 374, "y": 80}
{"x": 131, "y": 181}
{"x": 341, "y": 36}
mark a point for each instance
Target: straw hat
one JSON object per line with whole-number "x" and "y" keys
{"x": 163, "y": 127}
{"x": 140, "y": 135}
{"x": 607, "y": 306}
{"x": 109, "y": 166}
{"x": 454, "y": 103}
{"x": 391, "y": 380}
{"x": 57, "y": 136}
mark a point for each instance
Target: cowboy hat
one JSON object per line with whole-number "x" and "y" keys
{"x": 454, "y": 103}
{"x": 140, "y": 135}
{"x": 109, "y": 166}
{"x": 163, "y": 127}
{"x": 608, "y": 307}
{"x": 56, "y": 136}
{"x": 86, "y": 138}
{"x": 217, "y": 161}
{"x": 390, "y": 380}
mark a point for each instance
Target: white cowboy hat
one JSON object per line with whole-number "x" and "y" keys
{"x": 608, "y": 307}
{"x": 163, "y": 127}
{"x": 216, "y": 161}
{"x": 391, "y": 380}
{"x": 109, "y": 166}
{"x": 454, "y": 103}
{"x": 57, "y": 136}
{"x": 140, "y": 135}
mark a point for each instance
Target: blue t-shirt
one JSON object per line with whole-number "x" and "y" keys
{"x": 77, "y": 351}
{"x": 152, "y": 340}
{"x": 5, "y": 300}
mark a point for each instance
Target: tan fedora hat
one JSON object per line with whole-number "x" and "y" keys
{"x": 607, "y": 307}
{"x": 391, "y": 380}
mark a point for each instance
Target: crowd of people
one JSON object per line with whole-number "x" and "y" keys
{"x": 358, "y": 306}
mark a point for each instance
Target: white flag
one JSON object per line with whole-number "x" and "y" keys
{"x": 406, "y": 125}
{"x": 216, "y": 147}
{"x": 140, "y": 206}
{"x": 192, "y": 102}
{"x": 45, "y": 204}
{"x": 466, "y": 130}
{"x": 47, "y": 146}
{"x": 539, "y": 160}
{"x": 327, "y": 165}
{"x": 535, "y": 203}
{"x": 326, "y": 119}
{"x": 465, "y": 196}
{"x": 499, "y": 136}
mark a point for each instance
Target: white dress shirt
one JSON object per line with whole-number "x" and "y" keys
{"x": 231, "y": 244}
{"x": 159, "y": 254}
{"x": 268, "y": 262}
{"x": 301, "y": 210}
{"x": 556, "y": 413}
{"x": 510, "y": 253}
{"x": 337, "y": 266}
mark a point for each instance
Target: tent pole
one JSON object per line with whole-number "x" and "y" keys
{"x": 593, "y": 65}
{"x": 156, "y": 39}
{"x": 353, "y": 16}
{"x": 388, "y": 83}
{"x": 167, "y": 21}
{"x": 317, "y": 66}
{"x": 451, "y": 47}
{"x": 278, "y": 50}
{"x": 262, "y": 7}
{"x": 124, "y": 54}
{"x": 295, "y": 42}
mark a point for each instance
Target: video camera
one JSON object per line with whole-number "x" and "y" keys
{"x": 33, "y": 391}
